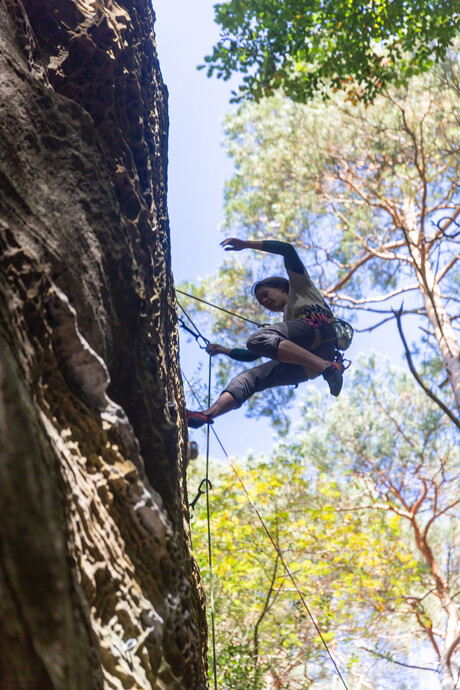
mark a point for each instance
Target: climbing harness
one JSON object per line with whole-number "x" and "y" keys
{"x": 316, "y": 316}
{"x": 208, "y": 486}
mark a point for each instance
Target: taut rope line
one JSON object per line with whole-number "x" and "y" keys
{"x": 267, "y": 531}
{"x": 215, "y": 306}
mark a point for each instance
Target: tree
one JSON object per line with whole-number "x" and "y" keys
{"x": 368, "y": 195}
{"x": 306, "y": 47}
{"x": 362, "y": 505}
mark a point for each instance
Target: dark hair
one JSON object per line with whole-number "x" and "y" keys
{"x": 272, "y": 281}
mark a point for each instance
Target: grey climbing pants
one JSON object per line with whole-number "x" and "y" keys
{"x": 265, "y": 342}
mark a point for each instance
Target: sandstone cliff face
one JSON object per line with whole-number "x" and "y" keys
{"x": 98, "y": 588}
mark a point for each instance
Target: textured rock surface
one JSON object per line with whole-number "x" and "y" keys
{"x": 98, "y": 587}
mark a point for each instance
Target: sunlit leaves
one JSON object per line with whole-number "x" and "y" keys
{"x": 308, "y": 46}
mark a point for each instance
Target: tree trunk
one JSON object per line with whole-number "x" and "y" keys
{"x": 433, "y": 303}
{"x": 98, "y": 585}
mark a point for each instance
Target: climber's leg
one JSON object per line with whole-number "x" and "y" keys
{"x": 292, "y": 342}
{"x": 243, "y": 386}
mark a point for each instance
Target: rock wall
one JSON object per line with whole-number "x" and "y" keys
{"x": 98, "y": 586}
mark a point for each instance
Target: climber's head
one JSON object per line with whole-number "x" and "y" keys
{"x": 272, "y": 293}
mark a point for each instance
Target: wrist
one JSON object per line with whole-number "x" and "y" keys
{"x": 254, "y": 244}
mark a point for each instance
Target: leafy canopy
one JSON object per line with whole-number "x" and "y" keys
{"x": 307, "y": 46}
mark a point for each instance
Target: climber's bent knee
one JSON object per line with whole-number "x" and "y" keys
{"x": 265, "y": 343}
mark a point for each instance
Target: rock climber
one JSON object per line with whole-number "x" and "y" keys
{"x": 301, "y": 347}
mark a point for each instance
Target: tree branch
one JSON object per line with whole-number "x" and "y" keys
{"x": 447, "y": 268}
{"x": 374, "y": 300}
{"x": 451, "y": 649}
{"x": 369, "y": 329}
{"x": 437, "y": 515}
{"x": 387, "y": 657}
{"x": 417, "y": 377}
{"x": 347, "y": 276}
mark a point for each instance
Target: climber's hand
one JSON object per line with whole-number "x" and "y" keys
{"x": 233, "y": 244}
{"x": 215, "y": 349}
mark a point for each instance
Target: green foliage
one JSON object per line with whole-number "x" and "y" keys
{"x": 342, "y": 498}
{"x": 307, "y": 47}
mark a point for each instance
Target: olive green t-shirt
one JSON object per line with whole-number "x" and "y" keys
{"x": 302, "y": 294}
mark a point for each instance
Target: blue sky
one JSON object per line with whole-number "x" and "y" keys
{"x": 198, "y": 165}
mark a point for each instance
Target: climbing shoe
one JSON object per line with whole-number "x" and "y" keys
{"x": 197, "y": 419}
{"x": 334, "y": 377}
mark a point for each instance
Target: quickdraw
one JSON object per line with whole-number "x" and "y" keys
{"x": 198, "y": 336}
{"x": 201, "y": 492}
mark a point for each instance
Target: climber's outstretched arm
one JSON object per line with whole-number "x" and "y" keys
{"x": 292, "y": 261}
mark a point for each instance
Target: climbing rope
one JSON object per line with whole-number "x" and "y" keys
{"x": 208, "y": 486}
{"x": 215, "y": 306}
{"x": 208, "y": 517}
{"x": 260, "y": 518}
